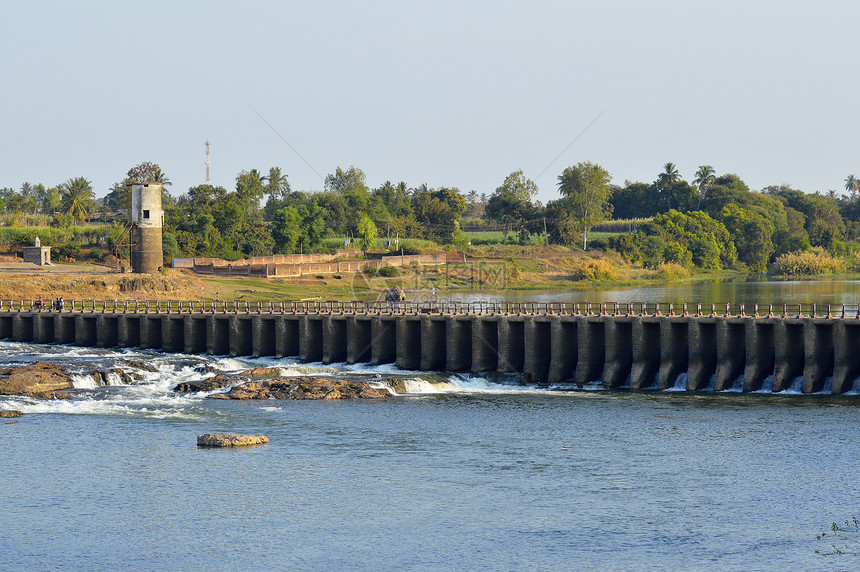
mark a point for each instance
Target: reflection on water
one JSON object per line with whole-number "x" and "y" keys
{"x": 750, "y": 291}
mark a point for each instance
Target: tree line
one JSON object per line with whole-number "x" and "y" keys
{"x": 712, "y": 222}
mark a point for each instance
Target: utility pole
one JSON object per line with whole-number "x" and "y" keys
{"x": 545, "y": 235}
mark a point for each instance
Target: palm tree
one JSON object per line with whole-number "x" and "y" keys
{"x": 277, "y": 184}
{"x": 77, "y": 198}
{"x": 705, "y": 177}
{"x": 159, "y": 177}
{"x": 667, "y": 179}
{"x": 669, "y": 176}
{"x": 852, "y": 185}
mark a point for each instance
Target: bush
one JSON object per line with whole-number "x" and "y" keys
{"x": 98, "y": 254}
{"x": 595, "y": 269}
{"x": 601, "y": 244}
{"x": 389, "y": 272}
{"x": 669, "y": 271}
{"x": 62, "y": 220}
{"x": 807, "y": 263}
{"x": 70, "y": 250}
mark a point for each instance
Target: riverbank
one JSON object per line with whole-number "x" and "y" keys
{"x": 493, "y": 272}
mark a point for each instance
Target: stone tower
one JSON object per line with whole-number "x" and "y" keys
{"x": 147, "y": 219}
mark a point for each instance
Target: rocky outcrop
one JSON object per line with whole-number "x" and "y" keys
{"x": 304, "y": 388}
{"x": 10, "y": 413}
{"x": 219, "y": 381}
{"x": 40, "y": 379}
{"x": 268, "y": 383}
{"x": 223, "y": 380}
{"x": 140, "y": 365}
{"x": 230, "y": 440}
{"x": 103, "y": 377}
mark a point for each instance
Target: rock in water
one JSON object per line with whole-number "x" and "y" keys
{"x": 230, "y": 440}
{"x": 10, "y": 413}
{"x": 304, "y": 387}
{"x": 39, "y": 379}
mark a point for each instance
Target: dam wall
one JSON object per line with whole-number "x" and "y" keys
{"x": 813, "y": 349}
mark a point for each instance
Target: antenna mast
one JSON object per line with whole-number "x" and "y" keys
{"x": 207, "y": 162}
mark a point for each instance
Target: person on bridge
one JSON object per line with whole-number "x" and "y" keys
{"x": 38, "y": 304}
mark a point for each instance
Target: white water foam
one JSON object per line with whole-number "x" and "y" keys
{"x": 680, "y": 383}
{"x": 83, "y": 381}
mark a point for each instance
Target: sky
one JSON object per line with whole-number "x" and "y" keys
{"x": 446, "y": 93}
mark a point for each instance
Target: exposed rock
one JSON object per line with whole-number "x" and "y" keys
{"x": 397, "y": 385}
{"x": 230, "y": 440}
{"x": 261, "y": 373}
{"x": 206, "y": 368}
{"x": 10, "y": 413}
{"x": 102, "y": 377}
{"x": 141, "y": 365}
{"x": 227, "y": 379}
{"x": 209, "y": 384}
{"x": 40, "y": 379}
{"x": 304, "y": 388}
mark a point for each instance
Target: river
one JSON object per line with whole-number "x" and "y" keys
{"x": 460, "y": 474}
{"x": 733, "y": 291}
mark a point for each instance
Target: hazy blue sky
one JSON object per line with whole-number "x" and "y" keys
{"x": 447, "y": 93}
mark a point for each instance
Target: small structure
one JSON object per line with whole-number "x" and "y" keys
{"x": 147, "y": 220}
{"x": 395, "y": 295}
{"x": 37, "y": 254}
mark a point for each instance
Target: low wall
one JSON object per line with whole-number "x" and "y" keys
{"x": 335, "y": 266}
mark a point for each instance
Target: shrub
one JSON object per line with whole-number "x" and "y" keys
{"x": 595, "y": 269}
{"x": 389, "y": 272}
{"x": 70, "y": 250}
{"x": 669, "y": 271}
{"x": 601, "y": 244}
{"x": 809, "y": 262}
{"x": 98, "y": 254}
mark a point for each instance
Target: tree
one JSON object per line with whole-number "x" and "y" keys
{"x": 249, "y": 190}
{"x": 119, "y": 196}
{"x": 277, "y": 184}
{"x": 511, "y": 202}
{"x": 158, "y": 176}
{"x": 343, "y": 182}
{"x": 852, "y": 185}
{"x": 705, "y": 176}
{"x": 636, "y": 200}
{"x": 451, "y": 196}
{"x": 667, "y": 179}
{"x": 437, "y": 219}
{"x": 52, "y": 200}
{"x": 707, "y": 240}
{"x": 585, "y": 187}
{"x": 77, "y": 198}
{"x": 366, "y": 233}
{"x": 145, "y": 173}
{"x": 286, "y": 229}
{"x": 751, "y": 233}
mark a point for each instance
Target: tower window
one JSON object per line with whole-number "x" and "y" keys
{"x": 145, "y": 214}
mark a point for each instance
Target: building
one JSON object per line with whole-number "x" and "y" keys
{"x": 37, "y": 254}
{"x": 147, "y": 219}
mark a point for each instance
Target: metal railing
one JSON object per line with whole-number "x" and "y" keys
{"x": 481, "y": 307}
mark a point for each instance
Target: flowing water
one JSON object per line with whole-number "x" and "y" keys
{"x": 460, "y": 474}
